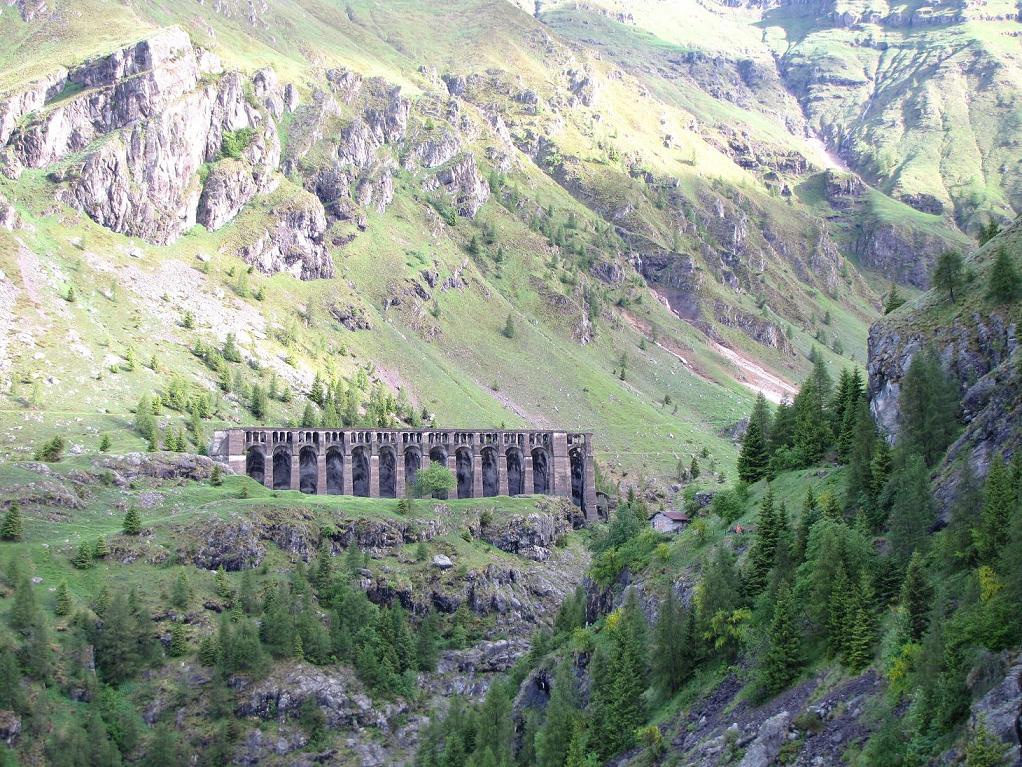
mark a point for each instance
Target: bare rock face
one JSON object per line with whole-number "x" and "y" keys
{"x": 9, "y": 218}
{"x": 463, "y": 182}
{"x": 131, "y": 84}
{"x": 434, "y": 151}
{"x": 158, "y": 122}
{"x": 338, "y": 694}
{"x": 29, "y": 9}
{"x": 15, "y": 106}
{"x": 294, "y": 242}
{"x": 146, "y": 185}
{"x": 1001, "y": 711}
{"x": 903, "y": 255}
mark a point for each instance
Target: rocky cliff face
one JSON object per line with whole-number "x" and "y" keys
{"x": 978, "y": 345}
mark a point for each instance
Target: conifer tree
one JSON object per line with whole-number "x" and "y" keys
{"x": 912, "y": 510}
{"x": 83, "y": 556}
{"x": 810, "y": 514}
{"x": 11, "y": 696}
{"x": 916, "y": 597}
{"x": 12, "y": 528}
{"x": 100, "y": 549}
{"x": 104, "y": 443}
{"x": 893, "y": 300}
{"x": 947, "y": 276}
{"x": 812, "y": 434}
{"x": 861, "y": 451}
{"x": 999, "y": 501}
{"x": 223, "y": 585}
{"x": 782, "y": 427}
{"x": 24, "y": 616}
{"x": 509, "y": 330}
{"x": 754, "y": 459}
{"x": 578, "y": 750}
{"x": 671, "y": 660}
{"x": 862, "y": 629}
{"x": 178, "y": 640}
{"x": 985, "y": 749}
{"x": 783, "y": 658}
{"x": 145, "y": 421}
{"x": 764, "y": 547}
{"x": 1005, "y": 283}
{"x": 928, "y": 404}
{"x": 63, "y": 605}
{"x": 309, "y": 417}
{"x": 553, "y": 739}
{"x": 180, "y": 591}
{"x": 426, "y": 639}
{"x": 132, "y": 522}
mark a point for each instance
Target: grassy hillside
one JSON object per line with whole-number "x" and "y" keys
{"x": 68, "y": 363}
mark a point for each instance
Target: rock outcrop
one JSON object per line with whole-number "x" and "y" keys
{"x": 1000, "y": 710}
{"x": 293, "y": 241}
{"x": 463, "y": 183}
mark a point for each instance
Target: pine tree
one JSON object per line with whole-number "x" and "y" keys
{"x": 12, "y": 528}
{"x": 754, "y": 459}
{"x": 100, "y": 550}
{"x": 764, "y": 547}
{"x": 426, "y": 641}
{"x": 863, "y": 627}
{"x": 178, "y": 640}
{"x": 145, "y": 420}
{"x": 11, "y": 696}
{"x": 810, "y": 514}
{"x": 893, "y": 300}
{"x": 216, "y": 476}
{"x": 208, "y": 651}
{"x": 861, "y": 452}
{"x": 63, "y": 605}
{"x": 83, "y": 556}
{"x": 999, "y": 501}
{"x": 553, "y": 739}
{"x": 1005, "y": 283}
{"x": 629, "y": 665}
{"x": 783, "y": 658}
{"x": 223, "y": 585}
{"x": 912, "y": 510}
{"x": 928, "y": 404}
{"x": 132, "y": 522}
{"x": 180, "y": 591}
{"x": 916, "y": 597}
{"x": 509, "y": 330}
{"x": 947, "y": 276}
{"x": 104, "y": 443}
{"x": 985, "y": 749}
{"x": 812, "y": 434}
{"x": 24, "y": 616}
{"x": 671, "y": 661}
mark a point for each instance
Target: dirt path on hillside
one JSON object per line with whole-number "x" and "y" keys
{"x": 669, "y": 345}
{"x": 749, "y": 373}
{"x": 756, "y": 377}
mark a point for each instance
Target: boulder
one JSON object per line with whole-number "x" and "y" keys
{"x": 442, "y": 562}
{"x": 768, "y": 741}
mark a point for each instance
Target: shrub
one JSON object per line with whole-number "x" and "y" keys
{"x": 51, "y": 451}
{"x": 235, "y": 142}
{"x": 435, "y": 478}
